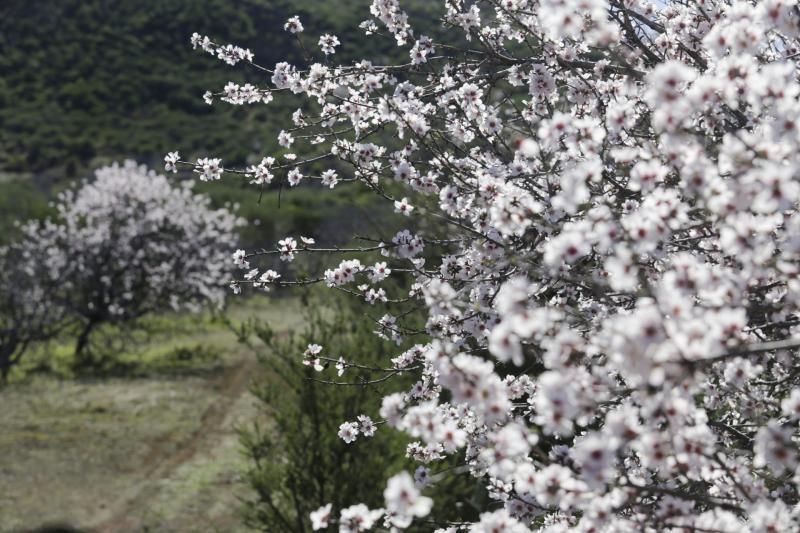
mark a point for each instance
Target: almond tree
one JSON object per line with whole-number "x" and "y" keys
{"x": 127, "y": 244}
{"x": 602, "y": 201}
{"x": 27, "y": 312}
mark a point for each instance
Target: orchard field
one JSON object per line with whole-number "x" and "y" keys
{"x": 152, "y": 445}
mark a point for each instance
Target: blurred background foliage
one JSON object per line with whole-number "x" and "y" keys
{"x": 87, "y": 82}
{"x": 109, "y": 79}
{"x": 297, "y": 463}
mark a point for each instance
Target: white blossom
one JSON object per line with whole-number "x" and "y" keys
{"x": 404, "y": 501}
{"x": 604, "y": 249}
{"x": 293, "y": 25}
{"x": 348, "y": 432}
{"x": 320, "y": 517}
{"x": 328, "y": 44}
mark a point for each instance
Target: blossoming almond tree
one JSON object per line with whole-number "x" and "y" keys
{"x": 612, "y": 340}
{"x": 126, "y": 244}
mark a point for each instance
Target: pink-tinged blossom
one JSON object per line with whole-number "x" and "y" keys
{"x": 499, "y": 520}
{"x": 293, "y": 25}
{"x": 774, "y": 449}
{"x": 404, "y": 501}
{"x": 330, "y": 179}
{"x": 170, "y": 161}
{"x": 366, "y": 426}
{"x": 321, "y": 517}
{"x": 294, "y": 176}
{"x": 348, "y": 432}
{"x": 287, "y": 248}
{"x": 210, "y": 169}
{"x": 328, "y": 44}
{"x": 607, "y": 264}
{"x": 358, "y": 518}
{"x": 403, "y": 207}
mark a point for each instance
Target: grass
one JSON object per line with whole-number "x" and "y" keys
{"x": 71, "y": 447}
{"x": 163, "y": 344}
{"x": 156, "y": 450}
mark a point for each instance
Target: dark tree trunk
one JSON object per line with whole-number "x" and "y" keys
{"x": 81, "y": 357}
{"x": 7, "y": 360}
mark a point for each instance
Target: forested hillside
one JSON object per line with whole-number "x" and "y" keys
{"x": 87, "y": 82}
{"x": 86, "y": 79}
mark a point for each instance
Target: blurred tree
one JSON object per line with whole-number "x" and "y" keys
{"x": 127, "y": 244}
{"x": 27, "y": 314}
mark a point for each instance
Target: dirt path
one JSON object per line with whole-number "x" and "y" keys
{"x": 157, "y": 451}
{"x": 160, "y": 454}
{"x": 217, "y": 424}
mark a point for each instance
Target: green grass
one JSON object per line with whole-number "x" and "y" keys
{"x": 163, "y": 344}
{"x": 76, "y": 452}
{"x": 155, "y": 449}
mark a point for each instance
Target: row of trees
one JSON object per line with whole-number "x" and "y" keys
{"x": 123, "y": 245}
{"x": 602, "y": 202}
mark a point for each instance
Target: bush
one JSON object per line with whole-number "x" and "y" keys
{"x": 297, "y": 461}
{"x": 292, "y": 477}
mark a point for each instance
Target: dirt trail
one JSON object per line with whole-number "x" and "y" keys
{"x": 156, "y": 451}
{"x": 161, "y": 462}
{"x": 158, "y": 454}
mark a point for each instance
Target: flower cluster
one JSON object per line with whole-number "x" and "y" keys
{"x": 328, "y": 44}
{"x": 605, "y": 248}
{"x": 228, "y": 53}
{"x": 349, "y": 431}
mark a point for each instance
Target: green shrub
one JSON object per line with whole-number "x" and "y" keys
{"x": 297, "y": 463}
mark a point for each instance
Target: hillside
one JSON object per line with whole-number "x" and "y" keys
{"x": 94, "y": 80}
{"x": 87, "y": 82}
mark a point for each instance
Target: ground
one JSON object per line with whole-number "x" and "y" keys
{"x": 155, "y": 453}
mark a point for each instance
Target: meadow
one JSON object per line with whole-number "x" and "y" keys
{"x": 152, "y": 444}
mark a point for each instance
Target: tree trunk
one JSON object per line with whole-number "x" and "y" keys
{"x": 81, "y": 358}
{"x": 7, "y": 360}
{"x": 5, "y": 368}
